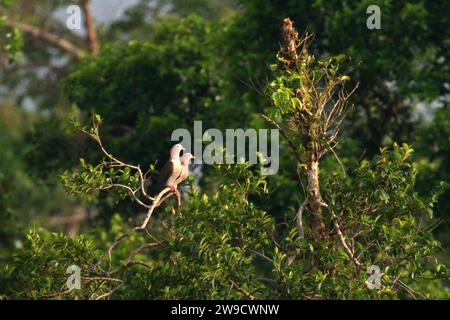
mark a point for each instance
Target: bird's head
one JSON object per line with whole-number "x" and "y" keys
{"x": 186, "y": 158}
{"x": 176, "y": 150}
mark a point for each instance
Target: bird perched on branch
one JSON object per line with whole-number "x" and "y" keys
{"x": 185, "y": 159}
{"x": 171, "y": 171}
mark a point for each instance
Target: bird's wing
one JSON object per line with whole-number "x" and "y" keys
{"x": 183, "y": 175}
{"x": 165, "y": 176}
{"x": 177, "y": 170}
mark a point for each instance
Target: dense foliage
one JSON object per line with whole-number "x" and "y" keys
{"x": 221, "y": 245}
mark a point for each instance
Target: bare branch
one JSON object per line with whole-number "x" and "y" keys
{"x": 116, "y": 162}
{"x": 156, "y": 203}
{"x": 57, "y": 294}
{"x": 299, "y": 221}
{"x": 243, "y": 291}
{"x": 130, "y": 190}
{"x": 38, "y": 33}
{"x": 343, "y": 242}
{"x": 105, "y": 295}
{"x": 102, "y": 279}
{"x": 262, "y": 255}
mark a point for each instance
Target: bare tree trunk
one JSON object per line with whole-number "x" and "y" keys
{"x": 92, "y": 35}
{"x": 314, "y": 202}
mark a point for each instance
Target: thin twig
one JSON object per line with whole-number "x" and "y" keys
{"x": 243, "y": 291}
{"x": 135, "y": 252}
{"x": 342, "y": 241}
{"x": 117, "y": 162}
{"x": 105, "y": 295}
{"x": 133, "y": 192}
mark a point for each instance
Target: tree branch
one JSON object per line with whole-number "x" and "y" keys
{"x": 343, "y": 242}
{"x": 247, "y": 294}
{"x": 38, "y": 33}
{"x": 129, "y": 262}
{"x": 92, "y": 35}
{"x": 299, "y": 221}
{"x": 156, "y": 203}
{"x": 116, "y": 162}
{"x": 130, "y": 190}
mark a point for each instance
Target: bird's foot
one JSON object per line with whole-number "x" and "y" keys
{"x": 173, "y": 189}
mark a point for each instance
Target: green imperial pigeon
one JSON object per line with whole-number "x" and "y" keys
{"x": 185, "y": 159}
{"x": 171, "y": 170}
